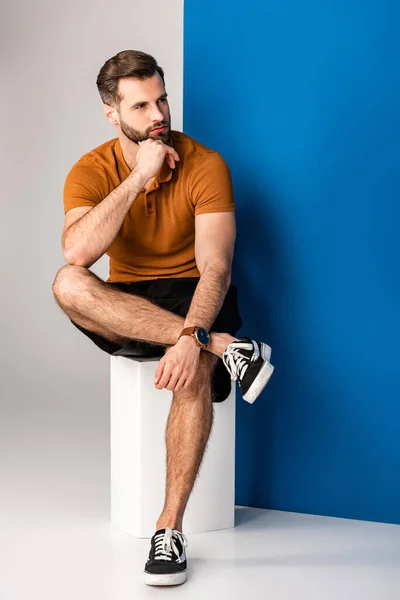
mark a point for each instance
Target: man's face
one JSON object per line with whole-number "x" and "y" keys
{"x": 144, "y": 108}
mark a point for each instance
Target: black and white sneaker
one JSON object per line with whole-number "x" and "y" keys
{"x": 166, "y": 564}
{"x": 248, "y": 361}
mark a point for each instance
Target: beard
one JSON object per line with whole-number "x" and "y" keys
{"x": 137, "y": 136}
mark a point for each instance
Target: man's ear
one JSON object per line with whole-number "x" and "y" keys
{"x": 111, "y": 114}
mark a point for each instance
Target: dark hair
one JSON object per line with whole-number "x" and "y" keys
{"x": 128, "y": 63}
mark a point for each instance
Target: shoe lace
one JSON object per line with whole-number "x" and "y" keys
{"x": 236, "y": 362}
{"x": 165, "y": 544}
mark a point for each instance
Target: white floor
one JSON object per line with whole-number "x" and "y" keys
{"x": 56, "y": 542}
{"x": 269, "y": 554}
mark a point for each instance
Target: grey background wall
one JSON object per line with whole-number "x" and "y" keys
{"x": 54, "y": 408}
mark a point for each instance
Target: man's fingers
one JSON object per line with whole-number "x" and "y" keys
{"x": 159, "y": 371}
{"x": 171, "y": 158}
{"x": 172, "y": 152}
{"x": 188, "y": 382}
{"x": 179, "y": 386}
{"x": 174, "y": 379}
{"x": 163, "y": 382}
{"x": 170, "y": 161}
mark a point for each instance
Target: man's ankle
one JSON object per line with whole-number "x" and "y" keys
{"x": 171, "y": 523}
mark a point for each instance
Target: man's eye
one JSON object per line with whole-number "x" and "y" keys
{"x": 139, "y": 106}
{"x": 162, "y": 100}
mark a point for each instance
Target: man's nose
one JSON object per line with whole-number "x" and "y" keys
{"x": 156, "y": 114}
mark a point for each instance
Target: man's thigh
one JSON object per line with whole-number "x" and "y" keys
{"x": 176, "y": 295}
{"x": 130, "y": 348}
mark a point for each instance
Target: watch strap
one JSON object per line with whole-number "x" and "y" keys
{"x": 188, "y": 330}
{"x": 192, "y": 332}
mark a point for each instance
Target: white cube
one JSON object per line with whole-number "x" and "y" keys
{"x": 138, "y": 417}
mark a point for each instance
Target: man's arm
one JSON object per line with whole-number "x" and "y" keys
{"x": 211, "y": 192}
{"x": 90, "y": 236}
{"x": 214, "y": 245}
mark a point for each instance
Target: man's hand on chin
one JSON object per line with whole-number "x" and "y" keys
{"x": 179, "y": 365}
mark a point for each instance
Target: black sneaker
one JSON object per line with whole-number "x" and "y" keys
{"x": 166, "y": 564}
{"x": 248, "y": 361}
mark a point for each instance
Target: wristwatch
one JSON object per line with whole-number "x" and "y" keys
{"x": 200, "y": 334}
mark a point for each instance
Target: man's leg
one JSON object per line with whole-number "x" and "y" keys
{"x": 188, "y": 429}
{"x": 118, "y": 316}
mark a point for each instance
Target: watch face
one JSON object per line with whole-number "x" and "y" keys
{"x": 203, "y": 336}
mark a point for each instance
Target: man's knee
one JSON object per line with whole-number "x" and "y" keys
{"x": 66, "y": 282}
{"x": 207, "y": 364}
{"x": 201, "y": 384}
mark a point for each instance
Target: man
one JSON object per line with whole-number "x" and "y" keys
{"x": 161, "y": 206}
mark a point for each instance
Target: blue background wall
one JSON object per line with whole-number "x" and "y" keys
{"x": 302, "y": 100}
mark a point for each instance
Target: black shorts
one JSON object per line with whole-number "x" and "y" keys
{"x": 174, "y": 295}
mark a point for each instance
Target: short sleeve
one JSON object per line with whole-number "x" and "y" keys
{"x": 85, "y": 185}
{"x": 211, "y": 185}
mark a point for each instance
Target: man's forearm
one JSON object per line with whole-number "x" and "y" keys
{"x": 209, "y": 296}
{"x": 92, "y": 235}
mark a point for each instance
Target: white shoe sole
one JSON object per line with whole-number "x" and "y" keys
{"x": 173, "y": 579}
{"x": 259, "y": 383}
{"x": 267, "y": 352}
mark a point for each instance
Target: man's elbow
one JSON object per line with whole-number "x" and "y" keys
{"x": 72, "y": 257}
{"x": 221, "y": 269}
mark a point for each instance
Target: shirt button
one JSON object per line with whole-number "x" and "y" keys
{"x": 149, "y": 205}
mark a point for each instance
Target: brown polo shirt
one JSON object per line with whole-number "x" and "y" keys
{"x": 158, "y": 233}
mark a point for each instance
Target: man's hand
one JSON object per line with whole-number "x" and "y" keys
{"x": 150, "y": 157}
{"x": 179, "y": 365}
